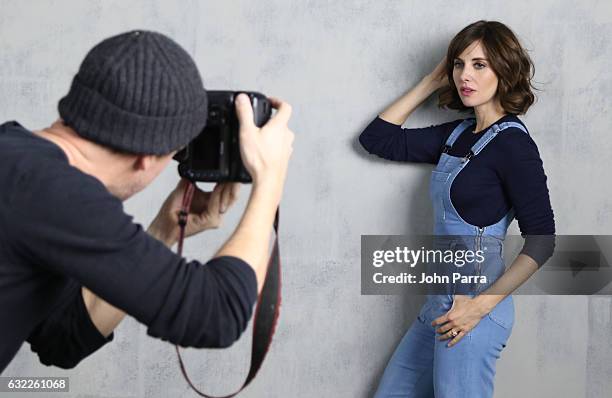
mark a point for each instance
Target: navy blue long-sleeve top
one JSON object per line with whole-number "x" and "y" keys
{"x": 507, "y": 173}
{"x": 61, "y": 229}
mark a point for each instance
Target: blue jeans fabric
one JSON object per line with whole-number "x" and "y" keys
{"x": 422, "y": 366}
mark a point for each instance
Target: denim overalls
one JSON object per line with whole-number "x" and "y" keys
{"x": 423, "y": 366}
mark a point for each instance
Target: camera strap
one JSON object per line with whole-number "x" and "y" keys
{"x": 268, "y": 302}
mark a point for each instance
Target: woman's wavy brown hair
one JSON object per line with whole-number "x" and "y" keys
{"x": 506, "y": 56}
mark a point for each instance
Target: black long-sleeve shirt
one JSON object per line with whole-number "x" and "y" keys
{"x": 507, "y": 173}
{"x": 61, "y": 229}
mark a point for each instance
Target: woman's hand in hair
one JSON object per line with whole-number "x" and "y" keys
{"x": 438, "y": 77}
{"x": 401, "y": 108}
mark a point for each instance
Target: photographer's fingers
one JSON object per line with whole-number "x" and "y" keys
{"x": 200, "y": 200}
{"x": 283, "y": 111}
{"x": 214, "y": 202}
{"x": 207, "y": 214}
{"x": 234, "y": 190}
{"x": 229, "y": 195}
{"x": 244, "y": 112}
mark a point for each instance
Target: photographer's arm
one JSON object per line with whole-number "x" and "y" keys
{"x": 265, "y": 153}
{"x": 102, "y": 314}
{"x": 125, "y": 270}
{"x": 205, "y": 213}
{"x": 250, "y": 240}
{"x": 80, "y": 325}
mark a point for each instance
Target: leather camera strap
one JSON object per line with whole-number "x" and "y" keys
{"x": 268, "y": 302}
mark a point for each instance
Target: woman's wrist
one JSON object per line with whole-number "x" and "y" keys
{"x": 429, "y": 84}
{"x": 486, "y": 302}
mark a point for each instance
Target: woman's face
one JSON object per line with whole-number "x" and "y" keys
{"x": 473, "y": 76}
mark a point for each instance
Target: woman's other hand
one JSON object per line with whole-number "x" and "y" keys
{"x": 463, "y": 316}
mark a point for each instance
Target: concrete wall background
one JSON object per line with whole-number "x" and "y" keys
{"x": 339, "y": 63}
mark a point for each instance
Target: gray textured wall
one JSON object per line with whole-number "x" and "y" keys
{"x": 339, "y": 63}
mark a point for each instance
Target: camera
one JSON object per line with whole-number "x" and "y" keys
{"x": 214, "y": 155}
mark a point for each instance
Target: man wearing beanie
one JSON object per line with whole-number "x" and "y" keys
{"x": 72, "y": 263}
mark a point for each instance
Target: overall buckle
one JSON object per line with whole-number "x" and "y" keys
{"x": 468, "y": 156}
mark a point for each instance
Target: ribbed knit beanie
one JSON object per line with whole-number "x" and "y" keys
{"x": 137, "y": 92}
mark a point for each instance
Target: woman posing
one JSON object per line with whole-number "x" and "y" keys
{"x": 488, "y": 171}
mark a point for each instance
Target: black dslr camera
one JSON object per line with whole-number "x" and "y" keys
{"x": 214, "y": 155}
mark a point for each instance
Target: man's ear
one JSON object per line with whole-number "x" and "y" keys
{"x": 143, "y": 162}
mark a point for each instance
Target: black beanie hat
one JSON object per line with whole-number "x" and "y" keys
{"x": 137, "y": 92}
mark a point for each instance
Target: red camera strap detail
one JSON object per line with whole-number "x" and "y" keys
{"x": 268, "y": 302}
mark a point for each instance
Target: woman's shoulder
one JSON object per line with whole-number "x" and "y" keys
{"x": 514, "y": 124}
{"x": 515, "y": 137}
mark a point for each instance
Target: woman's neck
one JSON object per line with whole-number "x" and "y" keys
{"x": 487, "y": 114}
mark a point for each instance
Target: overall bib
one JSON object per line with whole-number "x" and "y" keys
{"x": 423, "y": 366}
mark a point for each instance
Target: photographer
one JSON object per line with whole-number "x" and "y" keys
{"x": 72, "y": 263}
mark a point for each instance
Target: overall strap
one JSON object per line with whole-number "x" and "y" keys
{"x": 491, "y": 133}
{"x": 457, "y": 132}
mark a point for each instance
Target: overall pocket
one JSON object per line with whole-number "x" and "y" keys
{"x": 425, "y": 312}
{"x": 503, "y": 313}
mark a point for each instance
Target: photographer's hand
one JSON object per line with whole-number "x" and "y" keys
{"x": 206, "y": 211}
{"x": 265, "y": 153}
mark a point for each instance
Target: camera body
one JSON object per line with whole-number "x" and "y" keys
{"x": 214, "y": 155}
